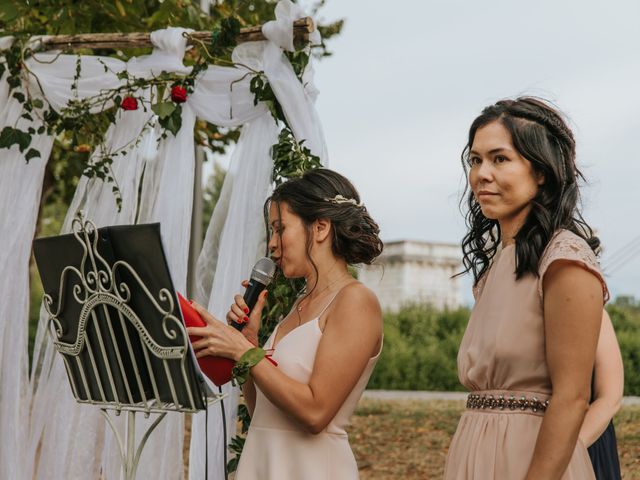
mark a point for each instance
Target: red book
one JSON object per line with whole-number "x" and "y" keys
{"x": 218, "y": 369}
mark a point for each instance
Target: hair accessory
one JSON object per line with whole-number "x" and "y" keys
{"x": 339, "y": 199}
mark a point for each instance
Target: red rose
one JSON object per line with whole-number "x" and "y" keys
{"x": 129, "y": 103}
{"x": 179, "y": 94}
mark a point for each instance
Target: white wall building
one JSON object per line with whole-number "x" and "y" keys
{"x": 415, "y": 272}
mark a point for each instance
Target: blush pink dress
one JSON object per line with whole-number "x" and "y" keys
{"x": 279, "y": 448}
{"x": 503, "y": 353}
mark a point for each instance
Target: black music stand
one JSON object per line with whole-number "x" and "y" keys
{"x": 115, "y": 319}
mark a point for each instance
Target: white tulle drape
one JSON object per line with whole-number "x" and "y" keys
{"x": 45, "y": 434}
{"x": 20, "y": 187}
{"x": 67, "y": 440}
{"x": 235, "y": 237}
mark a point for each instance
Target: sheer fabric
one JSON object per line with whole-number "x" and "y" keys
{"x": 65, "y": 439}
{"x": 20, "y": 187}
{"x": 235, "y": 237}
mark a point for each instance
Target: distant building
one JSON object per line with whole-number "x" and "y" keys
{"x": 415, "y": 272}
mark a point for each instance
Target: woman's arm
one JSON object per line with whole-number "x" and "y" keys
{"x": 229, "y": 342}
{"x": 250, "y": 332}
{"x": 351, "y": 336}
{"x": 249, "y": 394}
{"x": 608, "y": 384}
{"x": 572, "y": 315}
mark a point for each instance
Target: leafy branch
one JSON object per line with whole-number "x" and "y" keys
{"x": 162, "y": 94}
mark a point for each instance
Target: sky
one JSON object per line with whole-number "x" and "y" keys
{"x": 407, "y": 79}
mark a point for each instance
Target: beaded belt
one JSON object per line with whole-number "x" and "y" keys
{"x": 499, "y": 402}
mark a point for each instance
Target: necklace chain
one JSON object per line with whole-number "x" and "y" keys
{"x": 301, "y": 307}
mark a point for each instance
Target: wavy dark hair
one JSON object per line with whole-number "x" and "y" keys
{"x": 540, "y": 134}
{"x": 355, "y": 234}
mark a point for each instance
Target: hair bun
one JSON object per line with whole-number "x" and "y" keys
{"x": 324, "y": 193}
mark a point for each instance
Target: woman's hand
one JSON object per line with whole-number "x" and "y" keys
{"x": 217, "y": 339}
{"x": 220, "y": 340}
{"x": 239, "y": 313}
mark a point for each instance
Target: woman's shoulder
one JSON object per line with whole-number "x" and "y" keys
{"x": 359, "y": 305}
{"x": 567, "y": 236}
{"x": 567, "y": 246}
{"x": 356, "y": 293}
{"x": 356, "y": 302}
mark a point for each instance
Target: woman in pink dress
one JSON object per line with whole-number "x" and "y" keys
{"x": 528, "y": 352}
{"x": 325, "y": 348}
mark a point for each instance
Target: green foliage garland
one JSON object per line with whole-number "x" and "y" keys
{"x": 79, "y": 132}
{"x": 77, "y": 118}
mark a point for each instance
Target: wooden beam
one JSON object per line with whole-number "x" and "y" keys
{"x": 301, "y": 30}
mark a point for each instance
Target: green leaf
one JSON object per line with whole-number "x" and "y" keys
{"x": 8, "y": 12}
{"x": 173, "y": 122}
{"x": 163, "y": 109}
{"x": 32, "y": 153}
{"x": 253, "y": 356}
{"x": 224, "y": 36}
{"x": 256, "y": 86}
{"x": 12, "y": 136}
{"x": 14, "y": 81}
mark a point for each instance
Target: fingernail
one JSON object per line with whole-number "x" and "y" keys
{"x": 246, "y": 319}
{"x": 246, "y": 310}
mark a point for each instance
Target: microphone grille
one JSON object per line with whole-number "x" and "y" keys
{"x": 264, "y": 270}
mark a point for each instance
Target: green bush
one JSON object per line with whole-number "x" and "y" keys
{"x": 421, "y": 346}
{"x": 420, "y": 349}
{"x": 625, "y": 316}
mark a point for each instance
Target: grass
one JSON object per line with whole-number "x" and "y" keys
{"x": 409, "y": 439}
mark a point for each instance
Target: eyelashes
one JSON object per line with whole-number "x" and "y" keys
{"x": 475, "y": 160}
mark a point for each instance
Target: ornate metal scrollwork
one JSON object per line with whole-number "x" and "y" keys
{"x": 125, "y": 367}
{"x": 98, "y": 286}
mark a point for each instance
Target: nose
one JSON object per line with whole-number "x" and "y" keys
{"x": 484, "y": 172}
{"x": 273, "y": 243}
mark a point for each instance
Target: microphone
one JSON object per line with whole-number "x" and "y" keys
{"x": 261, "y": 276}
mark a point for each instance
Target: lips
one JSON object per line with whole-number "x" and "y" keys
{"x": 486, "y": 194}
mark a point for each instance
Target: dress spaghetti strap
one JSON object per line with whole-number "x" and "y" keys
{"x": 331, "y": 301}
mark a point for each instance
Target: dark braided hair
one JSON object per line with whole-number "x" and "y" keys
{"x": 540, "y": 135}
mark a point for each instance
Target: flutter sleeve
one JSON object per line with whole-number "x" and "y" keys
{"x": 568, "y": 246}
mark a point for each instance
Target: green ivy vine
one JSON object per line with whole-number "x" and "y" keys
{"x": 291, "y": 158}
{"x": 163, "y": 94}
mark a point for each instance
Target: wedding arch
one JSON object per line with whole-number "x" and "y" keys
{"x": 141, "y": 170}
